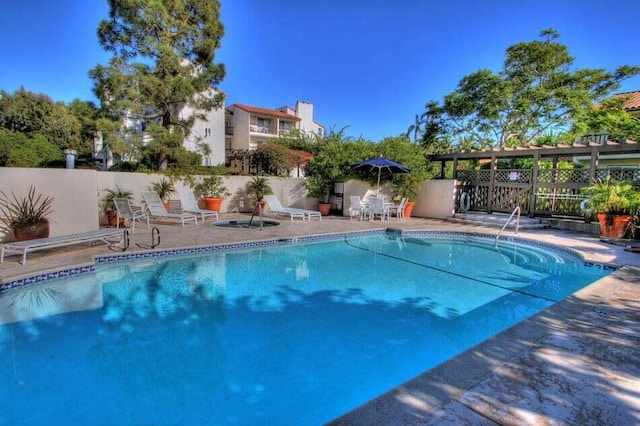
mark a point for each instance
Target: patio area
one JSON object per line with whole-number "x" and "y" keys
{"x": 574, "y": 363}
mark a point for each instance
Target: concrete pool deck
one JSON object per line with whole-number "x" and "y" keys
{"x": 577, "y": 362}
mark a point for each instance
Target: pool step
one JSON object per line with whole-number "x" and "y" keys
{"x": 497, "y": 220}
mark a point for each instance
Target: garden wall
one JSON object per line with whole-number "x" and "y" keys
{"x": 77, "y": 194}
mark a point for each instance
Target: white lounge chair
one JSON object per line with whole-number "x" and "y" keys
{"x": 125, "y": 211}
{"x": 24, "y": 247}
{"x": 157, "y": 211}
{"x": 189, "y": 204}
{"x": 276, "y": 207}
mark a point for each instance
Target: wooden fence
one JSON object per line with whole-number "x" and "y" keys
{"x": 555, "y": 192}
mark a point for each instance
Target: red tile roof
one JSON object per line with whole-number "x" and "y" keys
{"x": 268, "y": 112}
{"x": 633, "y": 100}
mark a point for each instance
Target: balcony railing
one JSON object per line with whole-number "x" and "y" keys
{"x": 262, "y": 129}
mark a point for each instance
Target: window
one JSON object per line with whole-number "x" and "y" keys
{"x": 264, "y": 124}
{"x": 285, "y": 125}
{"x": 207, "y": 132}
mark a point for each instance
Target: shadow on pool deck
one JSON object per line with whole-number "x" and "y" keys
{"x": 574, "y": 363}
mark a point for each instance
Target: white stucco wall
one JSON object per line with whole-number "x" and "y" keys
{"x": 436, "y": 200}
{"x": 214, "y": 121}
{"x": 77, "y": 193}
{"x": 74, "y": 192}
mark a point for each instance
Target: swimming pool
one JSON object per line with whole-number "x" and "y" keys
{"x": 274, "y": 334}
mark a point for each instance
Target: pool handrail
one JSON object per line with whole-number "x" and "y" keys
{"x": 516, "y": 210}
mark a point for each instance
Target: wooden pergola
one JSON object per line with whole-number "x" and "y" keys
{"x": 536, "y": 191}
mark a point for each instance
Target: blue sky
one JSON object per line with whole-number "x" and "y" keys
{"x": 369, "y": 65}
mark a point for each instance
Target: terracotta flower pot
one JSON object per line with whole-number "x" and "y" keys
{"x": 112, "y": 218}
{"x": 408, "y": 209}
{"x": 212, "y": 203}
{"x": 324, "y": 208}
{"x": 31, "y": 231}
{"x": 614, "y": 226}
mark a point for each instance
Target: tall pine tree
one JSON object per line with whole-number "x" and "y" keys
{"x": 163, "y": 59}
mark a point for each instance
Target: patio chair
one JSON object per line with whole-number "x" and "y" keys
{"x": 378, "y": 207}
{"x": 156, "y": 209}
{"x": 276, "y": 207}
{"x": 399, "y": 209}
{"x": 358, "y": 207}
{"x": 125, "y": 211}
{"x": 189, "y": 204}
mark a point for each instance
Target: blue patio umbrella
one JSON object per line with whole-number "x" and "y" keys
{"x": 381, "y": 163}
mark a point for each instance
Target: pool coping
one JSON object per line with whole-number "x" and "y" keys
{"x": 34, "y": 278}
{"x": 67, "y": 271}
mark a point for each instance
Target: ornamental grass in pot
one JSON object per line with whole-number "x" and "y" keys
{"x": 25, "y": 217}
{"x": 614, "y": 204}
{"x": 164, "y": 187}
{"x": 407, "y": 185}
{"x": 109, "y": 207}
{"x": 257, "y": 188}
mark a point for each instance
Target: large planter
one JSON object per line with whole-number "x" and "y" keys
{"x": 408, "y": 209}
{"x": 613, "y": 226}
{"x": 212, "y": 203}
{"x": 31, "y": 231}
{"x": 324, "y": 208}
{"x": 112, "y": 219}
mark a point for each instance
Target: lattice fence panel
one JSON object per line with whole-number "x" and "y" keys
{"x": 484, "y": 175}
{"x": 517, "y": 176}
{"x": 548, "y": 176}
{"x": 467, "y": 175}
{"x": 624, "y": 174}
{"x": 573, "y": 176}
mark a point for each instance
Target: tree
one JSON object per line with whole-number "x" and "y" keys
{"x": 163, "y": 60}
{"x": 416, "y": 128}
{"x": 401, "y": 150}
{"x": 535, "y": 93}
{"x": 86, "y": 113}
{"x": 610, "y": 117}
{"x": 272, "y": 159}
{"x": 33, "y": 114}
{"x": 19, "y": 150}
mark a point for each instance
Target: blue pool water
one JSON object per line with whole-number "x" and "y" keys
{"x": 284, "y": 334}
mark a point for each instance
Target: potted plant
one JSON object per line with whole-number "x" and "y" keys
{"x": 614, "y": 203}
{"x": 320, "y": 187}
{"x": 108, "y": 206}
{"x": 212, "y": 191}
{"x": 407, "y": 185}
{"x": 25, "y": 217}
{"x": 164, "y": 187}
{"x": 257, "y": 188}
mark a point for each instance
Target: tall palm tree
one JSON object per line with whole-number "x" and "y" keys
{"x": 417, "y": 128}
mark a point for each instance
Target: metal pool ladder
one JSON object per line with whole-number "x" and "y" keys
{"x": 516, "y": 210}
